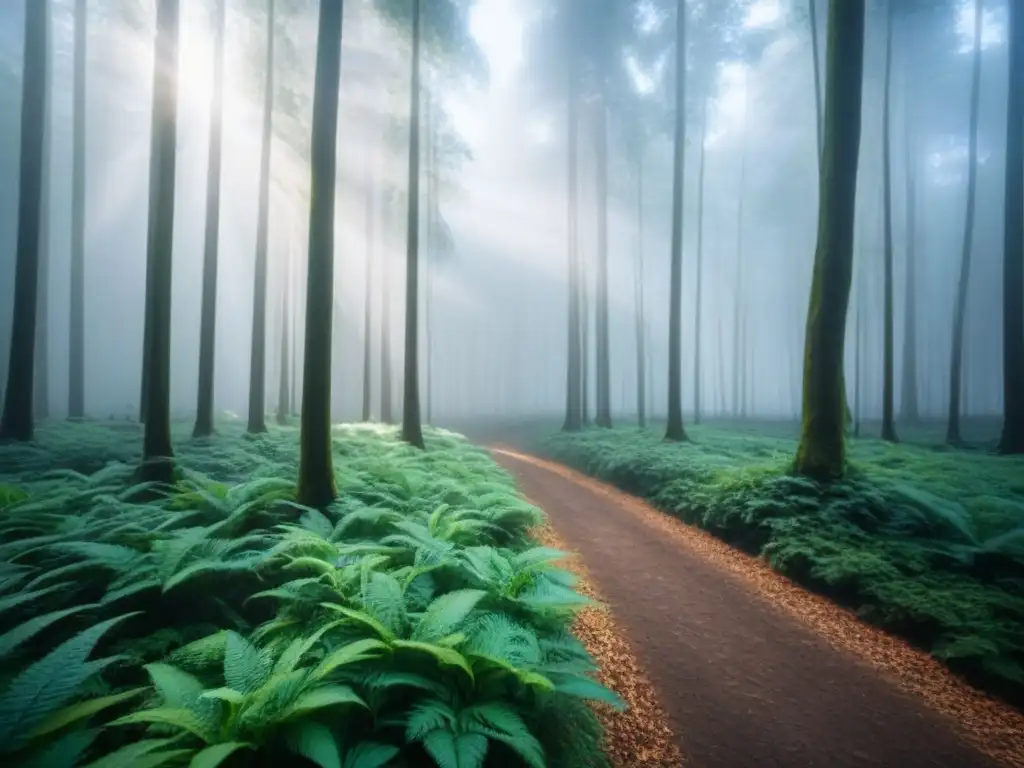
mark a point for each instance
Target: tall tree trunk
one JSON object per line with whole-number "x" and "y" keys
{"x": 722, "y": 408}
{"x": 909, "y": 410}
{"x": 700, "y": 266}
{"x": 296, "y": 307}
{"x": 368, "y": 300}
{"x": 641, "y": 355}
{"x": 960, "y": 310}
{"x": 76, "y": 344}
{"x": 603, "y": 358}
{"x": 857, "y": 346}
{"x": 812, "y": 15}
{"x": 430, "y": 241}
{"x": 283, "y": 389}
{"x": 208, "y": 313}
{"x": 675, "y": 430}
{"x": 386, "y": 393}
{"x": 316, "y": 465}
{"x": 888, "y": 389}
{"x": 574, "y": 373}
{"x": 822, "y": 451}
{"x": 738, "y": 395}
{"x": 1012, "y": 439}
{"x": 258, "y": 354}
{"x": 584, "y": 338}
{"x": 157, "y": 454}
{"x": 412, "y": 431}
{"x": 16, "y": 421}
{"x": 41, "y": 397}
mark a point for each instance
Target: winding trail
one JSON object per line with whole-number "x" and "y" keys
{"x": 750, "y": 669}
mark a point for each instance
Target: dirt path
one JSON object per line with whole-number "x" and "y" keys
{"x": 743, "y": 682}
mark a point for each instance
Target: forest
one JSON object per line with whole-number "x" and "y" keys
{"x": 485, "y": 383}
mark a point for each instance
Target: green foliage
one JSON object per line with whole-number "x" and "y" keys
{"x": 928, "y": 544}
{"x": 222, "y": 623}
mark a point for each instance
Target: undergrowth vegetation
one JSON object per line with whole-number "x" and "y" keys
{"x": 926, "y": 543}
{"x": 413, "y": 622}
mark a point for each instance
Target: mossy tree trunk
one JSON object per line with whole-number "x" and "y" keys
{"x": 258, "y": 354}
{"x": 368, "y": 299}
{"x": 675, "y": 429}
{"x": 41, "y": 396}
{"x": 602, "y": 368}
{"x": 909, "y": 409}
{"x": 700, "y": 267}
{"x": 574, "y": 374}
{"x": 1012, "y": 439}
{"x": 821, "y": 452}
{"x": 960, "y": 308}
{"x": 412, "y": 430}
{"x": 316, "y": 466}
{"x": 208, "y": 312}
{"x": 16, "y": 423}
{"x": 888, "y": 389}
{"x": 76, "y": 342}
{"x": 157, "y": 454}
{"x": 641, "y": 352}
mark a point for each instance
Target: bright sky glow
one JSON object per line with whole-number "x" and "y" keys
{"x": 993, "y": 29}
{"x": 498, "y": 30}
{"x": 762, "y": 13}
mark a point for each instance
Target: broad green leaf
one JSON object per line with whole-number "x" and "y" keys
{"x": 13, "y": 639}
{"x": 445, "y": 656}
{"x": 175, "y": 717}
{"x": 352, "y": 653}
{"x": 322, "y": 697}
{"x": 214, "y": 755}
{"x": 80, "y": 711}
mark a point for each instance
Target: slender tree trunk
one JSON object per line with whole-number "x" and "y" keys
{"x": 41, "y": 398}
{"x": 368, "y": 301}
{"x": 430, "y": 252}
{"x": 412, "y": 431}
{"x": 157, "y": 454}
{"x": 641, "y": 355}
{"x": 675, "y": 429}
{"x": 812, "y": 14}
{"x": 258, "y": 354}
{"x": 574, "y": 374}
{"x": 603, "y": 359}
{"x": 76, "y": 346}
{"x": 700, "y": 266}
{"x": 888, "y": 389}
{"x": 738, "y": 407}
{"x": 857, "y": 344}
{"x": 584, "y": 338}
{"x": 960, "y": 310}
{"x": 386, "y": 394}
{"x": 1012, "y": 439}
{"x": 208, "y": 313}
{"x": 822, "y": 451}
{"x": 283, "y": 389}
{"x": 16, "y": 421}
{"x": 909, "y": 410}
{"x": 722, "y": 408}
{"x": 316, "y": 465}
{"x": 296, "y": 308}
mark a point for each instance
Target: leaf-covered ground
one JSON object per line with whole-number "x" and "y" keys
{"x": 925, "y": 542}
{"x": 414, "y": 622}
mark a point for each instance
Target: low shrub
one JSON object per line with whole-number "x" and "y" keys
{"x": 413, "y": 622}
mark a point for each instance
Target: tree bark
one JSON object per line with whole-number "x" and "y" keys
{"x": 909, "y": 410}
{"x": 208, "y": 312}
{"x": 574, "y": 374}
{"x": 316, "y": 467}
{"x": 41, "y": 397}
{"x": 812, "y": 12}
{"x": 76, "y": 344}
{"x": 412, "y": 431}
{"x": 1012, "y": 439}
{"x": 157, "y": 454}
{"x": 258, "y": 355}
{"x": 641, "y": 354}
{"x": 584, "y": 290}
{"x": 738, "y": 392}
{"x": 368, "y": 300}
{"x": 960, "y": 309}
{"x": 675, "y": 430}
{"x": 700, "y": 267}
{"x": 386, "y": 394}
{"x": 16, "y": 422}
{"x": 888, "y": 417}
{"x": 822, "y": 451}
{"x": 283, "y": 388}
{"x": 603, "y": 358}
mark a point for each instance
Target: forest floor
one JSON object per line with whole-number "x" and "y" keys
{"x": 750, "y": 668}
{"x": 217, "y": 622}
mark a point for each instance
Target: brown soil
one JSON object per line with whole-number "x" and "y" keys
{"x": 750, "y": 669}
